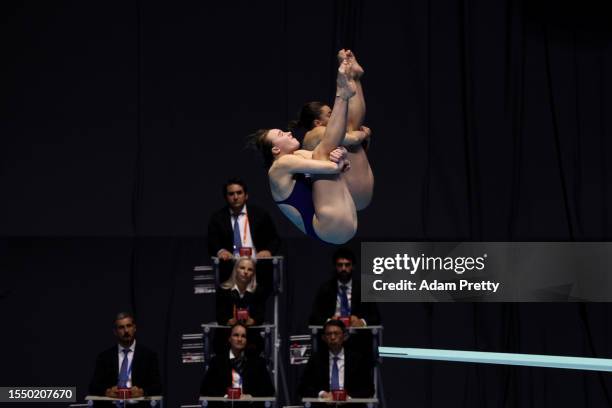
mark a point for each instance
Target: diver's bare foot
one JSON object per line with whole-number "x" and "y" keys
{"x": 341, "y": 56}
{"x": 345, "y": 85}
{"x": 356, "y": 69}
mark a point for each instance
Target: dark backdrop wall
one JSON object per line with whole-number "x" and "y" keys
{"x": 121, "y": 120}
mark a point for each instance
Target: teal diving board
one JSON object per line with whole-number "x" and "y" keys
{"x": 483, "y": 357}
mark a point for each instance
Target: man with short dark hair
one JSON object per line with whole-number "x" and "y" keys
{"x": 235, "y": 226}
{"x": 341, "y": 295}
{"x": 126, "y": 366}
{"x": 336, "y": 368}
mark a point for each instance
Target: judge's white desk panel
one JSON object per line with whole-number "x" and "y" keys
{"x": 268, "y": 401}
{"x": 370, "y": 402}
{"x": 154, "y": 400}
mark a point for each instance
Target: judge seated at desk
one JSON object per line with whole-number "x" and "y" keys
{"x": 336, "y": 368}
{"x": 241, "y": 299}
{"x": 235, "y": 370}
{"x": 126, "y": 365}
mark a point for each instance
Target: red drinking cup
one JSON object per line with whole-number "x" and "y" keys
{"x": 245, "y": 251}
{"x": 233, "y": 393}
{"x": 242, "y": 314}
{"x": 346, "y": 320}
{"x": 124, "y": 393}
{"x": 339, "y": 395}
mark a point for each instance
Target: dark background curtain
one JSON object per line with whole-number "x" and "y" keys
{"x": 120, "y": 121}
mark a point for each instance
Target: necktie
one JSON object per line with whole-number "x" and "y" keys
{"x": 345, "y": 309}
{"x": 124, "y": 373}
{"x": 335, "y": 375}
{"x": 237, "y": 364}
{"x": 237, "y": 240}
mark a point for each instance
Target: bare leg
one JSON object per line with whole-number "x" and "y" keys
{"x": 335, "y": 219}
{"x": 357, "y": 105}
{"x": 336, "y": 127}
{"x": 360, "y": 179}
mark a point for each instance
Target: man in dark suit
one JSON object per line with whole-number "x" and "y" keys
{"x": 237, "y": 370}
{"x": 336, "y": 368}
{"x": 341, "y": 295}
{"x": 126, "y": 365}
{"x": 236, "y": 226}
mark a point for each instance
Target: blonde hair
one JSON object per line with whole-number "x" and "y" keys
{"x": 228, "y": 284}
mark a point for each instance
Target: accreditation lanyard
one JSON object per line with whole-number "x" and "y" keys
{"x": 245, "y": 225}
{"x": 236, "y": 379}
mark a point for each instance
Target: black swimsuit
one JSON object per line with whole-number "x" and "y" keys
{"x": 301, "y": 199}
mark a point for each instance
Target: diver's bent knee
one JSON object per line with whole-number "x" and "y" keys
{"x": 340, "y": 229}
{"x": 361, "y": 203}
{"x": 342, "y": 234}
{"x": 347, "y": 232}
{"x": 327, "y": 214}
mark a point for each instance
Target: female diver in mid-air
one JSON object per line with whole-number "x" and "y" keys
{"x": 314, "y": 116}
{"x": 322, "y": 208}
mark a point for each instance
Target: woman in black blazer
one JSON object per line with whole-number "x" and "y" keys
{"x": 236, "y": 369}
{"x": 240, "y": 299}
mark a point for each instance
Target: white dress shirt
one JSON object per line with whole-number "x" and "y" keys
{"x": 249, "y": 288}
